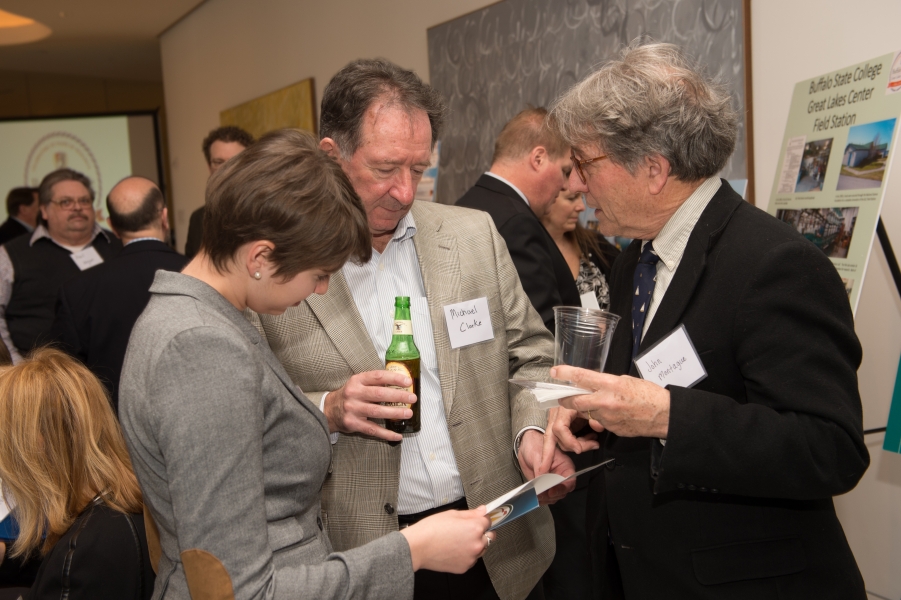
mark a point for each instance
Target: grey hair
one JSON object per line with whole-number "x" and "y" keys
{"x": 361, "y": 83}
{"x": 652, "y": 101}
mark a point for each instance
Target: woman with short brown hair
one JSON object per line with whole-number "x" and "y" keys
{"x": 230, "y": 453}
{"x": 65, "y": 467}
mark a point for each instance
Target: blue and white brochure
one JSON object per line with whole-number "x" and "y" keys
{"x": 524, "y": 499}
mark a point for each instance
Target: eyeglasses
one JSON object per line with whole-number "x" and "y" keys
{"x": 577, "y": 164}
{"x": 70, "y": 203}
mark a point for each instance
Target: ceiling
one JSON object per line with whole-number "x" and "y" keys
{"x": 113, "y": 39}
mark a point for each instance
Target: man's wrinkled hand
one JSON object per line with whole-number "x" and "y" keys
{"x": 623, "y": 405}
{"x": 562, "y": 423}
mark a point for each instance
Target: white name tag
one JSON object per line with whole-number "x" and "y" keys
{"x": 468, "y": 322}
{"x": 589, "y": 300}
{"x": 672, "y": 361}
{"x": 87, "y": 258}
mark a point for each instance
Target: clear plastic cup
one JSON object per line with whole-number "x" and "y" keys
{"x": 583, "y": 336}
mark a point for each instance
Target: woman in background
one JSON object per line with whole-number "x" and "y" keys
{"x": 77, "y": 501}
{"x": 231, "y": 454}
{"x": 587, "y": 253}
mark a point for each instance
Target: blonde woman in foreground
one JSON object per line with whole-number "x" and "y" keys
{"x": 64, "y": 464}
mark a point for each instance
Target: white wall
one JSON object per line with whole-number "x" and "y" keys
{"x": 792, "y": 41}
{"x": 230, "y": 51}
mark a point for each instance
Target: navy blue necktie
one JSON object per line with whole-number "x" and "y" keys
{"x": 643, "y": 281}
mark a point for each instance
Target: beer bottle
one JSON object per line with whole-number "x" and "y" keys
{"x": 402, "y": 356}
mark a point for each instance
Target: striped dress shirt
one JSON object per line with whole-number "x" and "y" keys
{"x": 428, "y": 470}
{"x": 671, "y": 241}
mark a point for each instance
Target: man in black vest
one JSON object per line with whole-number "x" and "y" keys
{"x": 98, "y": 308}
{"x": 68, "y": 240}
{"x": 528, "y": 170}
{"x": 22, "y": 208}
{"x": 723, "y": 481}
{"x": 220, "y": 145}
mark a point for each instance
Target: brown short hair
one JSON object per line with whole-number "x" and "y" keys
{"x": 529, "y": 129}
{"x": 228, "y": 133}
{"x": 286, "y": 190}
{"x": 17, "y": 198}
{"x": 45, "y": 191}
{"x": 361, "y": 83}
{"x": 61, "y": 446}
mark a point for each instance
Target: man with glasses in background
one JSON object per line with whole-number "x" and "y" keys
{"x": 67, "y": 240}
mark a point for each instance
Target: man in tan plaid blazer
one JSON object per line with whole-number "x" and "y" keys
{"x": 328, "y": 351}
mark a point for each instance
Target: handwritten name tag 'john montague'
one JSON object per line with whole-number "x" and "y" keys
{"x": 672, "y": 361}
{"x": 468, "y": 322}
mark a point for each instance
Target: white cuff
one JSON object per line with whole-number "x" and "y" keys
{"x": 332, "y": 437}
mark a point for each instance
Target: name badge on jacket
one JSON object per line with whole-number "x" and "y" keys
{"x": 672, "y": 361}
{"x": 468, "y": 322}
{"x": 87, "y": 258}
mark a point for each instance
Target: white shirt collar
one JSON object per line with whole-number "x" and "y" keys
{"x": 670, "y": 243}
{"x": 41, "y": 232}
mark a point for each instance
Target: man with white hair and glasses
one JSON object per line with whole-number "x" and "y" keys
{"x": 721, "y": 486}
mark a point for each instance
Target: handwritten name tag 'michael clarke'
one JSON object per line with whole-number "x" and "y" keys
{"x": 672, "y": 361}
{"x": 468, "y": 322}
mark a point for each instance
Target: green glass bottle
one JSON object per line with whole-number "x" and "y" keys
{"x": 402, "y": 356}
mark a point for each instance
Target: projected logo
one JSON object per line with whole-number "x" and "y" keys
{"x": 63, "y": 150}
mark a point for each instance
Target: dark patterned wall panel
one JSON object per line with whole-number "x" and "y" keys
{"x": 491, "y": 63}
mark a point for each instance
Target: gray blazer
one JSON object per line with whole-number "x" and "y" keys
{"x": 231, "y": 457}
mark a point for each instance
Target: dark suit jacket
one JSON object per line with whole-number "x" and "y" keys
{"x": 543, "y": 271}
{"x": 11, "y": 229}
{"x": 195, "y": 233}
{"x": 96, "y": 310}
{"x": 738, "y": 504}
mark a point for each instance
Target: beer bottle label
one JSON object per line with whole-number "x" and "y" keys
{"x": 403, "y": 328}
{"x": 396, "y": 367}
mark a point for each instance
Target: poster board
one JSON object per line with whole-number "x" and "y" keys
{"x": 836, "y": 157}
{"x": 293, "y": 106}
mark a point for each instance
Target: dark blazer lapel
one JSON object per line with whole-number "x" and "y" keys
{"x": 341, "y": 320}
{"x": 496, "y": 185}
{"x": 694, "y": 260}
{"x": 439, "y": 264}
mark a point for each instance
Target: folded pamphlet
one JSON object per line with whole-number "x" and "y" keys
{"x": 524, "y": 499}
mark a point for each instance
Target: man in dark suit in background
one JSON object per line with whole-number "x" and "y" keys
{"x": 22, "y": 207}
{"x": 528, "y": 170}
{"x": 97, "y": 310}
{"x": 220, "y": 145}
{"x": 722, "y": 486}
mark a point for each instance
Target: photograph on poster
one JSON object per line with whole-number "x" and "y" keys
{"x": 813, "y": 166}
{"x": 865, "y": 156}
{"x": 830, "y": 229}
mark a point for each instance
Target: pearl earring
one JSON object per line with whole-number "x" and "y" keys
{"x": 257, "y": 275}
